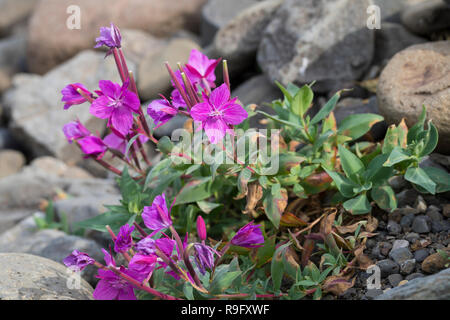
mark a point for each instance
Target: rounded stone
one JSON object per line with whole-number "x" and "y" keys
{"x": 29, "y": 277}
{"x": 417, "y": 76}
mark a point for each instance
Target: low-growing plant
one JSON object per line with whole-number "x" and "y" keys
{"x": 169, "y": 207}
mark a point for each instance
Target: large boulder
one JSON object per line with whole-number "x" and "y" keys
{"x": 52, "y": 244}
{"x": 427, "y": 17}
{"x": 11, "y": 161}
{"x": 317, "y": 40}
{"x": 51, "y": 41}
{"x": 435, "y": 287}
{"x": 35, "y": 107}
{"x": 417, "y": 76}
{"x": 28, "y": 277}
{"x": 217, "y": 13}
{"x": 12, "y": 59}
{"x": 239, "y": 39}
{"x": 13, "y": 12}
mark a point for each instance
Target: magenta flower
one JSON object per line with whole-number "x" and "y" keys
{"x": 200, "y": 68}
{"x": 204, "y": 257}
{"x": 124, "y": 241}
{"x": 75, "y": 130}
{"x": 201, "y": 228}
{"x": 72, "y": 97}
{"x": 92, "y": 145}
{"x": 249, "y": 236}
{"x": 112, "y": 287}
{"x": 109, "y": 37}
{"x": 114, "y": 141}
{"x": 161, "y": 111}
{"x": 116, "y": 104}
{"x": 157, "y": 216}
{"x": 109, "y": 260}
{"x": 78, "y": 260}
{"x": 147, "y": 246}
{"x": 142, "y": 266}
{"x": 217, "y": 113}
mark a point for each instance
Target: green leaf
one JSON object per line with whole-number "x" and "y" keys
{"x": 287, "y": 123}
{"x": 353, "y": 167}
{"x": 431, "y": 140}
{"x": 419, "y": 176}
{"x": 416, "y": 129}
{"x": 440, "y": 177}
{"x": 326, "y": 109}
{"x": 385, "y": 198}
{"x": 274, "y": 204}
{"x": 223, "y": 280}
{"x": 358, "y": 205}
{"x": 207, "y": 207}
{"x": 132, "y": 140}
{"x": 265, "y": 253}
{"x": 277, "y": 267}
{"x": 195, "y": 190}
{"x": 302, "y": 101}
{"x": 286, "y": 93}
{"x": 165, "y": 145}
{"x": 376, "y": 172}
{"x": 391, "y": 140}
{"x": 397, "y": 155}
{"x": 344, "y": 185}
{"x": 357, "y": 125}
{"x": 188, "y": 291}
{"x": 129, "y": 188}
{"x": 306, "y": 283}
{"x": 244, "y": 177}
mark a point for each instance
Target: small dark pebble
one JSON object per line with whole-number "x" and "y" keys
{"x": 400, "y": 255}
{"x": 413, "y": 276}
{"x": 439, "y": 226}
{"x": 393, "y": 228}
{"x": 388, "y": 267}
{"x": 420, "y": 224}
{"x": 421, "y": 254}
{"x": 394, "y": 279}
{"x": 373, "y": 293}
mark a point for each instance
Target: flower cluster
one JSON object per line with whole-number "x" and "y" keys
{"x": 146, "y": 253}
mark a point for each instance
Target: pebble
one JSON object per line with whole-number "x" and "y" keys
{"x": 394, "y": 279}
{"x": 388, "y": 267}
{"x": 412, "y": 237}
{"x": 394, "y": 228}
{"x": 413, "y": 276}
{"x": 403, "y": 282}
{"x": 420, "y": 204}
{"x": 439, "y": 226}
{"x": 434, "y": 263}
{"x": 385, "y": 247}
{"x": 407, "y": 267}
{"x": 420, "y": 224}
{"x": 434, "y": 213}
{"x": 406, "y": 222}
{"x": 421, "y": 254}
{"x": 446, "y": 210}
{"x": 400, "y": 244}
{"x": 373, "y": 293}
{"x": 400, "y": 255}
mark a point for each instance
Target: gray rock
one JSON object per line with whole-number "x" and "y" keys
{"x": 439, "y": 226}
{"x": 394, "y": 279}
{"x": 413, "y": 276}
{"x": 421, "y": 254}
{"x": 48, "y": 243}
{"x": 400, "y": 255}
{"x": 407, "y": 266}
{"x": 406, "y": 197}
{"x": 417, "y": 76}
{"x": 421, "y": 224}
{"x": 393, "y": 227}
{"x": 373, "y": 293}
{"x": 325, "y": 41}
{"x": 412, "y": 237}
{"x": 85, "y": 207}
{"x": 13, "y": 12}
{"x": 239, "y": 39}
{"x": 420, "y": 205}
{"x": 217, "y": 13}
{"x": 433, "y": 213}
{"x": 392, "y": 38}
{"x": 153, "y": 78}
{"x": 12, "y": 57}
{"x": 400, "y": 244}
{"x": 434, "y": 287}
{"x": 427, "y": 17}
{"x": 29, "y": 277}
{"x": 398, "y": 183}
{"x": 11, "y": 162}
{"x": 9, "y": 218}
{"x": 35, "y": 100}
{"x": 441, "y": 159}
{"x": 407, "y": 221}
{"x": 388, "y": 267}
{"x": 391, "y": 9}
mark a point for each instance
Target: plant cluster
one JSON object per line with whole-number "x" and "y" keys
{"x": 297, "y": 247}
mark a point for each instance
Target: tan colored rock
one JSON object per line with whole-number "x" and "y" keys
{"x": 416, "y": 76}
{"x": 153, "y": 77}
{"x": 137, "y": 44}
{"x": 51, "y": 42}
{"x": 13, "y": 12}
{"x": 434, "y": 263}
{"x": 11, "y": 162}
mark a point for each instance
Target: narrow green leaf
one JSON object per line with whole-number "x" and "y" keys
{"x": 344, "y": 185}
{"x": 353, "y": 167}
{"x": 397, "y": 155}
{"x": 195, "y": 190}
{"x": 277, "y": 267}
{"x": 326, "y": 109}
{"x": 357, "y": 125}
{"x": 431, "y": 140}
{"x": 416, "y": 129}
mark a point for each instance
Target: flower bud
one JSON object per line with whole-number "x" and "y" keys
{"x": 201, "y": 228}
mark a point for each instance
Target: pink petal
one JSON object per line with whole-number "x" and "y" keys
{"x": 108, "y": 88}
{"x": 100, "y": 108}
{"x": 122, "y": 120}
{"x": 220, "y": 96}
{"x": 103, "y": 291}
{"x": 215, "y": 129}
{"x": 201, "y": 111}
{"x": 233, "y": 113}
{"x": 131, "y": 100}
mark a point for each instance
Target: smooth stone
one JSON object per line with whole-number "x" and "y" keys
{"x": 400, "y": 255}
{"x": 11, "y": 162}
{"x": 394, "y": 279}
{"x": 407, "y": 267}
{"x": 420, "y": 255}
{"x": 420, "y": 224}
{"x": 388, "y": 267}
{"x": 427, "y": 17}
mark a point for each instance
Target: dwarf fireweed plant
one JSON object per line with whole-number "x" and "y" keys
{"x": 226, "y": 227}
